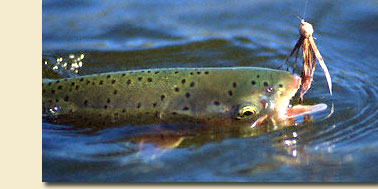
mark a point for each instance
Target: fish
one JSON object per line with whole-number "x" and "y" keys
{"x": 169, "y": 95}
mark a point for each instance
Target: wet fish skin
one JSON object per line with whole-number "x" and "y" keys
{"x": 168, "y": 95}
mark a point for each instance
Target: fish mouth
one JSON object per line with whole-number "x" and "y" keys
{"x": 284, "y": 110}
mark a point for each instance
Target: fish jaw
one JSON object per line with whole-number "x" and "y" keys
{"x": 282, "y": 102}
{"x": 284, "y": 111}
{"x": 298, "y": 110}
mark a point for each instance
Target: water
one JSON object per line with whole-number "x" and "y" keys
{"x": 339, "y": 145}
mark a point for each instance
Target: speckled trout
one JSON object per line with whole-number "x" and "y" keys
{"x": 206, "y": 95}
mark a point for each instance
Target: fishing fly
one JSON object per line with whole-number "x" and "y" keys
{"x": 310, "y": 54}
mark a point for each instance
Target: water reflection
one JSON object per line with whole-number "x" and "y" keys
{"x": 153, "y": 145}
{"x": 66, "y": 65}
{"x": 153, "y": 142}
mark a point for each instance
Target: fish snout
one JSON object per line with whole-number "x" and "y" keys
{"x": 296, "y": 82}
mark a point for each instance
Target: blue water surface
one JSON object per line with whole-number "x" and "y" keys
{"x": 339, "y": 144}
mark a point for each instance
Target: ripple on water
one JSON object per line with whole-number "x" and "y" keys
{"x": 336, "y": 147}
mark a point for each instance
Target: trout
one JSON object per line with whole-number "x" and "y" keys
{"x": 205, "y": 95}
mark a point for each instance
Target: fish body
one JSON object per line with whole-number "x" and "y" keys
{"x": 217, "y": 95}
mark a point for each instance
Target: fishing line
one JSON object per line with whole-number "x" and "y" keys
{"x": 305, "y": 9}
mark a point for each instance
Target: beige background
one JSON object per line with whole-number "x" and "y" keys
{"x": 21, "y": 136}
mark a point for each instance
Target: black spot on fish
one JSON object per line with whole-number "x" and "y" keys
{"x": 206, "y": 72}
{"x": 280, "y": 85}
{"x": 57, "y": 81}
{"x": 148, "y": 71}
{"x": 253, "y": 82}
{"x": 115, "y": 92}
{"x": 88, "y": 82}
{"x": 49, "y": 84}
{"x": 85, "y": 103}
{"x": 216, "y": 103}
{"x": 108, "y": 76}
{"x": 53, "y": 91}
{"x": 176, "y": 72}
{"x": 128, "y": 82}
{"x": 105, "y": 107}
{"x": 183, "y": 81}
{"x": 81, "y": 79}
{"x": 191, "y": 73}
{"x": 77, "y": 87}
{"x": 73, "y": 83}
{"x": 123, "y": 110}
{"x": 66, "y": 98}
{"x": 234, "y": 84}
{"x": 174, "y": 113}
{"x": 258, "y": 76}
{"x": 139, "y": 105}
{"x": 266, "y": 84}
{"x": 113, "y": 81}
{"x": 142, "y": 71}
{"x": 187, "y": 95}
{"x": 149, "y": 79}
{"x": 66, "y": 79}
{"x": 56, "y": 100}
{"x": 192, "y": 84}
{"x": 154, "y": 104}
{"x": 162, "y": 97}
{"x": 230, "y": 92}
{"x": 101, "y": 82}
{"x": 198, "y": 73}
{"x": 108, "y": 101}
{"x": 177, "y": 89}
{"x": 156, "y": 72}
{"x": 185, "y": 108}
{"x": 123, "y": 75}
{"x": 140, "y": 78}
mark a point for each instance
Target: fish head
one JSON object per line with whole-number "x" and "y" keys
{"x": 269, "y": 100}
{"x": 273, "y": 101}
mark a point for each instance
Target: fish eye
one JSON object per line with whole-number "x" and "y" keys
{"x": 246, "y": 111}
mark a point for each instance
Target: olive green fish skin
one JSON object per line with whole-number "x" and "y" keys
{"x": 169, "y": 95}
